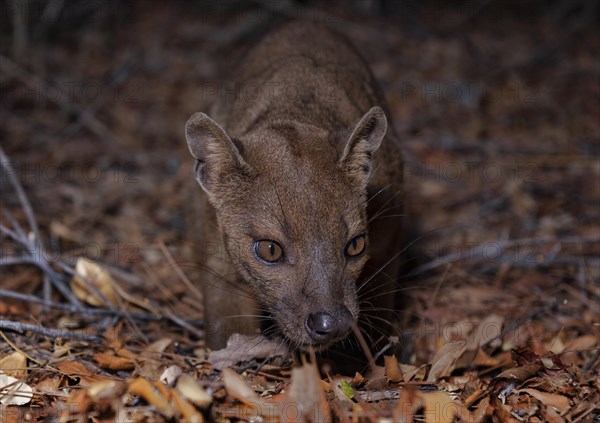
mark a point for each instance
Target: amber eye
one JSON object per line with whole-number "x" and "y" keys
{"x": 356, "y": 246}
{"x": 268, "y": 251}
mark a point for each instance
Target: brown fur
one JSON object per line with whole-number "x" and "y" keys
{"x": 290, "y": 160}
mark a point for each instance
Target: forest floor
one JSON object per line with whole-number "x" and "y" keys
{"x": 498, "y": 109}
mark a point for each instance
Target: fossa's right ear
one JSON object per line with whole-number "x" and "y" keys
{"x": 219, "y": 160}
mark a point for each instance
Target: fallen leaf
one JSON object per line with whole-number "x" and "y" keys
{"x": 13, "y": 392}
{"x": 246, "y": 348}
{"x": 156, "y": 348}
{"x": 307, "y": 396}
{"x": 486, "y": 330}
{"x": 74, "y": 369}
{"x": 106, "y": 389}
{"x": 560, "y": 403}
{"x": 111, "y": 361}
{"x": 98, "y": 277}
{"x": 143, "y": 388}
{"x": 484, "y": 360}
{"x": 342, "y": 389}
{"x": 439, "y": 407}
{"x": 236, "y": 387}
{"x": 189, "y": 413}
{"x": 392, "y": 369}
{"x": 189, "y": 388}
{"x": 407, "y": 405}
{"x": 520, "y": 373}
{"x": 14, "y": 365}
{"x": 170, "y": 375}
{"x": 443, "y": 361}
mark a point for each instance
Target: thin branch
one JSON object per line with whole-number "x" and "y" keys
{"x": 35, "y": 83}
{"x": 10, "y": 325}
{"x": 140, "y": 316}
{"x": 482, "y": 251}
{"x": 189, "y": 285}
{"x": 8, "y": 169}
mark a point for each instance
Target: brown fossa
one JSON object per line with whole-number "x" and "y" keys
{"x": 300, "y": 169}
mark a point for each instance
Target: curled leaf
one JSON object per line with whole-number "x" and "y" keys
{"x": 96, "y": 276}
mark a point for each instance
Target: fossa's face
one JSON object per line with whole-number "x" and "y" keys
{"x": 291, "y": 210}
{"x": 298, "y": 236}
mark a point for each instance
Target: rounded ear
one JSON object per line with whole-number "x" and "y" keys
{"x": 217, "y": 156}
{"x": 364, "y": 140}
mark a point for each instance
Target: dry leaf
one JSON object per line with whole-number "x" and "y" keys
{"x": 245, "y": 348}
{"x": 236, "y": 387}
{"x": 443, "y": 361}
{"x": 439, "y": 407}
{"x": 406, "y": 406}
{"x": 189, "y": 388}
{"x": 559, "y": 402}
{"x": 485, "y": 331}
{"x": 520, "y": 373}
{"x": 106, "y": 389}
{"x": 12, "y": 392}
{"x": 307, "y": 396}
{"x": 111, "y": 361}
{"x": 170, "y": 375}
{"x": 189, "y": 413}
{"x": 98, "y": 277}
{"x": 392, "y": 369}
{"x": 74, "y": 369}
{"x": 151, "y": 394}
{"x": 155, "y": 349}
{"x": 14, "y": 365}
{"x": 484, "y": 360}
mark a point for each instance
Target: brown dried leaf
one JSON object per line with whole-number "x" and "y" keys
{"x": 392, "y": 369}
{"x": 74, "y": 369}
{"x": 520, "y": 373}
{"x": 111, "y": 361}
{"x": 307, "y": 395}
{"x": 245, "y": 348}
{"x": 237, "y": 387}
{"x": 443, "y": 362}
{"x": 486, "y": 330}
{"x": 189, "y": 388}
{"x": 105, "y": 390}
{"x": 439, "y": 407}
{"x": 560, "y": 403}
{"x": 407, "y": 405}
{"x": 484, "y": 360}
{"x": 188, "y": 412}
{"x": 98, "y": 277}
{"x": 152, "y": 394}
{"x": 14, "y": 365}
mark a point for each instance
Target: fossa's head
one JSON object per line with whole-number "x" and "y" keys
{"x": 290, "y": 200}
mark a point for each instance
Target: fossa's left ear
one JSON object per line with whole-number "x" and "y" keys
{"x": 364, "y": 141}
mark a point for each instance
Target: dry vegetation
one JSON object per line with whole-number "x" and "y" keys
{"x": 498, "y": 105}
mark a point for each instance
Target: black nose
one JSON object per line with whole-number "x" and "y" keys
{"x": 328, "y": 325}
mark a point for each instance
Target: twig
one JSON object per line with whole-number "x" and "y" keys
{"x": 21, "y": 328}
{"x": 73, "y": 309}
{"x": 90, "y": 311}
{"x": 35, "y": 83}
{"x": 179, "y": 272}
{"x": 479, "y": 253}
{"x": 35, "y": 258}
{"x": 8, "y": 169}
{"x": 14, "y": 347}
